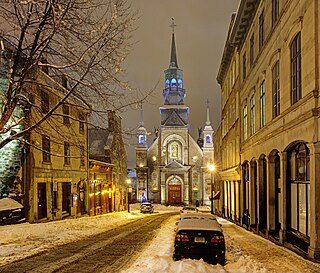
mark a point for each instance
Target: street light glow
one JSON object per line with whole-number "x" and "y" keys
{"x": 211, "y": 167}
{"x": 128, "y": 181}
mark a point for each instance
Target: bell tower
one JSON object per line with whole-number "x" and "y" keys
{"x": 174, "y": 112}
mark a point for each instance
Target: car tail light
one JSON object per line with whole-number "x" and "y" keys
{"x": 182, "y": 238}
{"x": 217, "y": 239}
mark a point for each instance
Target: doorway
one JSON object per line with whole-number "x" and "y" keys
{"x": 42, "y": 200}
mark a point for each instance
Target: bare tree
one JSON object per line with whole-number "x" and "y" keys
{"x": 83, "y": 43}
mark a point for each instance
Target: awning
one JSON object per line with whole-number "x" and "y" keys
{"x": 9, "y": 204}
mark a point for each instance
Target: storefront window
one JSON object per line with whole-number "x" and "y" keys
{"x": 299, "y": 189}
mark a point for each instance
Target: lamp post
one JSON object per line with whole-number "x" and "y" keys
{"x": 211, "y": 168}
{"x": 128, "y": 189}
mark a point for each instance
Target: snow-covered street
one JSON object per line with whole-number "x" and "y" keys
{"x": 246, "y": 252}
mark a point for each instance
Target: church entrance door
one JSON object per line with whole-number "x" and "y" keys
{"x": 174, "y": 194}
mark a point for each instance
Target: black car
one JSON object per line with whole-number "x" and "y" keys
{"x": 199, "y": 236}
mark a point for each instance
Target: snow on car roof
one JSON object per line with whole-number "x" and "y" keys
{"x": 198, "y": 216}
{"x": 198, "y": 224}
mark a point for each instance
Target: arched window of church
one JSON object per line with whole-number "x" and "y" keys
{"x": 208, "y": 139}
{"x": 141, "y": 139}
{"x": 173, "y": 84}
{"x": 167, "y": 84}
{"x": 175, "y": 151}
{"x": 180, "y": 83}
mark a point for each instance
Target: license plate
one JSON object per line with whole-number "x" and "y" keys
{"x": 199, "y": 240}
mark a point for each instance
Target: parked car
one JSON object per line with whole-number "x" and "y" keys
{"x": 199, "y": 236}
{"x": 146, "y": 207}
{"x": 11, "y": 211}
{"x": 187, "y": 209}
{"x": 204, "y": 209}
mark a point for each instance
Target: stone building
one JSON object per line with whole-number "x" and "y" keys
{"x": 172, "y": 169}
{"x": 108, "y": 167}
{"x": 55, "y": 159}
{"x": 271, "y": 60}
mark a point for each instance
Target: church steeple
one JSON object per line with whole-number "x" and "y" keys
{"x": 142, "y": 131}
{"x": 173, "y": 57}
{"x": 174, "y": 93}
{"x": 208, "y": 131}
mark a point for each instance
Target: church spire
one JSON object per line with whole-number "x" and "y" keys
{"x": 141, "y": 116}
{"x": 142, "y": 131}
{"x": 208, "y": 115}
{"x": 173, "y": 57}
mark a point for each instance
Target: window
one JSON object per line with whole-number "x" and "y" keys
{"x": 46, "y": 149}
{"x": 262, "y": 105}
{"x": 245, "y": 123}
{"x": 252, "y": 115}
{"x": 44, "y": 102}
{"x": 295, "y": 69}
{"x": 81, "y": 123}
{"x": 82, "y": 160}
{"x": 275, "y": 90}
{"x": 244, "y": 66}
{"x": 299, "y": 188}
{"x": 252, "y": 50}
{"x": 65, "y": 111}
{"x": 261, "y": 29}
{"x": 66, "y": 153}
{"x": 275, "y": 11}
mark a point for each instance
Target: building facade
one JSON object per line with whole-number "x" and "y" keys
{"x": 277, "y": 46}
{"x": 171, "y": 170}
{"x": 55, "y": 159}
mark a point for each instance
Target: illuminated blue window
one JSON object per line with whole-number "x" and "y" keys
{"x": 167, "y": 83}
{"x": 208, "y": 139}
{"x": 180, "y": 83}
{"x": 173, "y": 83}
{"x": 141, "y": 139}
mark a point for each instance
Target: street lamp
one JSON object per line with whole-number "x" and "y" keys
{"x": 211, "y": 167}
{"x": 128, "y": 189}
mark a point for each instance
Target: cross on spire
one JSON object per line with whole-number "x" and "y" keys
{"x": 173, "y": 25}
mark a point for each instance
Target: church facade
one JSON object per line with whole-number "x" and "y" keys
{"x": 173, "y": 170}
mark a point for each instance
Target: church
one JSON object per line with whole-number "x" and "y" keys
{"x": 173, "y": 170}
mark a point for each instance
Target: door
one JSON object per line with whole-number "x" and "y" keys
{"x": 66, "y": 197}
{"x": 42, "y": 200}
{"x": 174, "y": 194}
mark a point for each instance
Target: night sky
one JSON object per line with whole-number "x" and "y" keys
{"x": 200, "y": 34}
